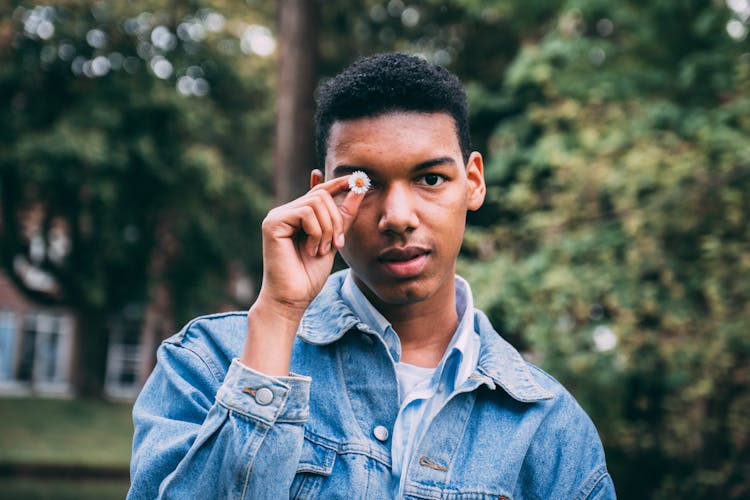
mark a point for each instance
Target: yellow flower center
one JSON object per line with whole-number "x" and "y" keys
{"x": 359, "y": 182}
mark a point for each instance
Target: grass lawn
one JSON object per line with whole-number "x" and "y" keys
{"x": 58, "y": 489}
{"x": 65, "y": 432}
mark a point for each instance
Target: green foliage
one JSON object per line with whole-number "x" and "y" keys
{"x": 619, "y": 255}
{"x": 142, "y": 130}
{"x": 134, "y": 147}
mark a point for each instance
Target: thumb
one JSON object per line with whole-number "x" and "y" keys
{"x": 349, "y": 208}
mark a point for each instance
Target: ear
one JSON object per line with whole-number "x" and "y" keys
{"x": 316, "y": 177}
{"x": 475, "y": 187}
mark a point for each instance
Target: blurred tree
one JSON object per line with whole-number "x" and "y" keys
{"x": 132, "y": 155}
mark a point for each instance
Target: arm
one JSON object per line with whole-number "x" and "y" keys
{"x": 565, "y": 456}
{"x": 602, "y": 488}
{"x": 581, "y": 471}
{"x": 197, "y": 435}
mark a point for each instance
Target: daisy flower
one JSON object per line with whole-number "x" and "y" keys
{"x": 359, "y": 182}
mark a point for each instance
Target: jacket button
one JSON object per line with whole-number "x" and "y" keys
{"x": 381, "y": 433}
{"x": 263, "y": 396}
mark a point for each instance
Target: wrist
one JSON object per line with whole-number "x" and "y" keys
{"x": 271, "y": 328}
{"x": 285, "y": 316}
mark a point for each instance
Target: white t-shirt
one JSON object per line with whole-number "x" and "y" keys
{"x": 411, "y": 377}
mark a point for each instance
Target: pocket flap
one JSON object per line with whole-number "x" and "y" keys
{"x": 316, "y": 458}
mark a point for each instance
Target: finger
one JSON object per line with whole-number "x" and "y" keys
{"x": 350, "y": 207}
{"x": 308, "y": 222}
{"x": 335, "y": 186}
{"x": 328, "y": 218}
{"x": 336, "y": 220}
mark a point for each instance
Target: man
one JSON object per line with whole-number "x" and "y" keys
{"x": 379, "y": 381}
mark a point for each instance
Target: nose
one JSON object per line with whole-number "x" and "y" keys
{"x": 398, "y": 214}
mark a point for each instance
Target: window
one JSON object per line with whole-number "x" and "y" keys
{"x": 37, "y": 356}
{"x": 52, "y": 343}
{"x": 8, "y": 347}
{"x": 124, "y": 354}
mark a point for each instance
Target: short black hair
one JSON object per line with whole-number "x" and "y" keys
{"x": 379, "y": 84}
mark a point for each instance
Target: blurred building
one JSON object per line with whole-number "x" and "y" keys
{"x": 37, "y": 347}
{"x": 37, "y": 341}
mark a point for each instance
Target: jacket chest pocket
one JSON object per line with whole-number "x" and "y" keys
{"x": 315, "y": 465}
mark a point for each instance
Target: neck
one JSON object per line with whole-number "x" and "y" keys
{"x": 424, "y": 328}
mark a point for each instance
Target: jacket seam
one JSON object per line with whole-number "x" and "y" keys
{"x": 340, "y": 370}
{"x": 197, "y": 355}
{"x": 346, "y": 448}
{"x": 472, "y": 396}
{"x": 216, "y": 370}
{"x": 422, "y": 491}
{"x": 599, "y": 474}
{"x": 251, "y": 462}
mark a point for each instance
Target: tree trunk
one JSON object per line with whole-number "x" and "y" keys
{"x": 294, "y": 154}
{"x": 90, "y": 352}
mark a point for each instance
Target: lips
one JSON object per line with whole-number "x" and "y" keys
{"x": 404, "y": 262}
{"x": 401, "y": 254}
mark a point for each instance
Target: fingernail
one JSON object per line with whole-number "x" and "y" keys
{"x": 326, "y": 248}
{"x": 340, "y": 240}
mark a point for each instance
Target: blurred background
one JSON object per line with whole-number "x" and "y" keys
{"x": 142, "y": 142}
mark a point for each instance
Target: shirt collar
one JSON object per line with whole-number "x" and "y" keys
{"x": 465, "y": 342}
{"x": 460, "y": 357}
{"x": 369, "y": 315}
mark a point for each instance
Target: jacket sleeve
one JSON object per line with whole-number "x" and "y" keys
{"x": 600, "y": 486}
{"x": 565, "y": 458}
{"x": 198, "y": 437}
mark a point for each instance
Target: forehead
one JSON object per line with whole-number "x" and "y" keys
{"x": 401, "y": 134}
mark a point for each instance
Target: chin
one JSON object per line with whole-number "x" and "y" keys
{"x": 400, "y": 295}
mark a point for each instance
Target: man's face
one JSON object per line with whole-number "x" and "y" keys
{"x": 403, "y": 244}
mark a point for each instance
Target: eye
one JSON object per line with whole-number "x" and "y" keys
{"x": 432, "y": 179}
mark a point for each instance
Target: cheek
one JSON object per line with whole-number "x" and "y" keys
{"x": 365, "y": 222}
{"x": 449, "y": 223}
{"x": 446, "y": 211}
{"x": 356, "y": 238}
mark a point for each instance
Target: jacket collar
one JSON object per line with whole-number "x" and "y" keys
{"x": 504, "y": 366}
{"x": 328, "y": 318}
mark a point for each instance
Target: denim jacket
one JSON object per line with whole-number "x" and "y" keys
{"x": 208, "y": 427}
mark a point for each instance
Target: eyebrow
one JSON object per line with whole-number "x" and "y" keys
{"x": 340, "y": 170}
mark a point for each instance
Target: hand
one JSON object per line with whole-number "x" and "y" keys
{"x": 300, "y": 240}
